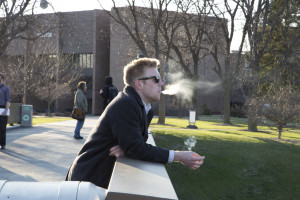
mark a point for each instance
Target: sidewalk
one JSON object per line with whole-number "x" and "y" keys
{"x": 43, "y": 152}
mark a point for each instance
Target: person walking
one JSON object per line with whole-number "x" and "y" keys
{"x": 4, "y": 108}
{"x": 80, "y": 102}
{"x": 122, "y": 130}
{"x": 109, "y": 92}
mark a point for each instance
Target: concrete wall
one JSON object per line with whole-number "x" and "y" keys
{"x": 77, "y": 32}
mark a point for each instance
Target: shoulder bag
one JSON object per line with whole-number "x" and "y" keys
{"x": 78, "y": 114}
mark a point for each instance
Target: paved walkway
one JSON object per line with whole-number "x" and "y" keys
{"x": 43, "y": 152}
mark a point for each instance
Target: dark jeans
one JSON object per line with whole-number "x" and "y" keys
{"x": 79, "y": 125}
{"x": 3, "y": 123}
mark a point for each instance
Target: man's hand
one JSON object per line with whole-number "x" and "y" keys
{"x": 116, "y": 151}
{"x": 189, "y": 159}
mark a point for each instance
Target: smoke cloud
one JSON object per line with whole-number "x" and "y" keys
{"x": 183, "y": 87}
{"x": 190, "y": 143}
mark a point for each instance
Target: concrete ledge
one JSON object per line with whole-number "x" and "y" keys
{"x": 135, "y": 180}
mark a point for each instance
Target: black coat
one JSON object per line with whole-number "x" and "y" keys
{"x": 105, "y": 94}
{"x": 123, "y": 123}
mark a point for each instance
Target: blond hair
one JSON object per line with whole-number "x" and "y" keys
{"x": 136, "y": 68}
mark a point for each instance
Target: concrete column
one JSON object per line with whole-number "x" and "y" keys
{"x": 101, "y": 57}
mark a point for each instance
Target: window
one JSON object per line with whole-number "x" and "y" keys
{"x": 83, "y": 60}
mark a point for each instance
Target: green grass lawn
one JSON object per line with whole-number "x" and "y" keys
{"x": 41, "y": 120}
{"x": 239, "y": 164}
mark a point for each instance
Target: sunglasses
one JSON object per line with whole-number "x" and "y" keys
{"x": 155, "y": 78}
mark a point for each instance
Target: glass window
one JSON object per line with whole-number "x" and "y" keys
{"x": 82, "y": 60}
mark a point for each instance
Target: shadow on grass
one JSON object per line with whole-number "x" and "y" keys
{"x": 171, "y": 125}
{"x": 234, "y": 125}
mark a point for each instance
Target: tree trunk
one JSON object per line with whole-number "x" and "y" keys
{"x": 162, "y": 110}
{"x": 24, "y": 92}
{"x": 252, "y": 124}
{"x": 226, "y": 85}
{"x": 195, "y": 102}
{"x": 162, "y": 101}
{"x": 180, "y": 108}
{"x": 49, "y": 112}
{"x": 226, "y": 103}
{"x": 279, "y": 131}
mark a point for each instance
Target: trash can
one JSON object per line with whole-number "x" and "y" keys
{"x": 26, "y": 117}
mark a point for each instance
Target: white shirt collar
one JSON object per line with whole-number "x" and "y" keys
{"x": 147, "y": 107}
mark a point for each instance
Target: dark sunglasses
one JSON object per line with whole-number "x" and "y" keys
{"x": 155, "y": 78}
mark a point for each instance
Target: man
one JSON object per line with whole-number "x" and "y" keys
{"x": 109, "y": 92}
{"x": 122, "y": 129}
{"x": 4, "y": 105}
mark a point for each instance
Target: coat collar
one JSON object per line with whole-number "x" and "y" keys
{"x": 128, "y": 90}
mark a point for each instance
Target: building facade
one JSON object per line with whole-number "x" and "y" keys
{"x": 84, "y": 36}
{"x": 102, "y": 47}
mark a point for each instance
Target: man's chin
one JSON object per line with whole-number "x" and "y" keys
{"x": 158, "y": 98}
{"x": 155, "y": 100}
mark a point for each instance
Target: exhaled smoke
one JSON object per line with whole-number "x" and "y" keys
{"x": 190, "y": 142}
{"x": 183, "y": 88}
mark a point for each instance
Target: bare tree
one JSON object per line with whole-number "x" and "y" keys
{"x": 279, "y": 105}
{"x": 20, "y": 73}
{"x": 188, "y": 40}
{"x": 57, "y": 77}
{"x": 284, "y": 106}
{"x": 260, "y": 28}
{"x": 13, "y": 25}
{"x": 47, "y": 76}
{"x": 17, "y": 16}
{"x": 13, "y": 22}
{"x": 18, "y": 25}
{"x": 225, "y": 13}
{"x": 176, "y": 35}
{"x": 12, "y": 67}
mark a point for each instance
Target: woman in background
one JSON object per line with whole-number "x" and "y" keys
{"x": 80, "y": 102}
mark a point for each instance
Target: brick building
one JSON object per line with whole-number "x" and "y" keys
{"x": 82, "y": 35}
{"x": 102, "y": 47}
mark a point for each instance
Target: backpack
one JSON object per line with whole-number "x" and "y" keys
{"x": 112, "y": 93}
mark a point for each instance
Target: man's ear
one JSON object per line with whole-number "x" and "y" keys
{"x": 138, "y": 84}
